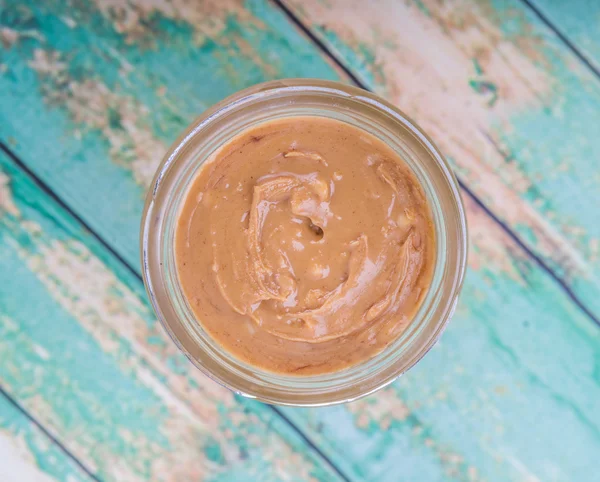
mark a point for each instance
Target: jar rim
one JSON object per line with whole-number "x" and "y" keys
{"x": 161, "y": 204}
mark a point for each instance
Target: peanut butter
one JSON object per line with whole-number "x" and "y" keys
{"x": 304, "y": 245}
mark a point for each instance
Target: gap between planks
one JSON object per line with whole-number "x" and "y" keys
{"x": 43, "y": 429}
{"x": 46, "y": 189}
{"x": 563, "y": 38}
{"x": 512, "y": 234}
{"x": 357, "y": 81}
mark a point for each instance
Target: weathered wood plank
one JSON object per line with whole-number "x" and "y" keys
{"x": 119, "y": 81}
{"x": 80, "y": 349}
{"x": 375, "y": 438}
{"x": 97, "y": 71}
{"x": 578, "y": 21}
{"x": 509, "y": 394}
{"x": 458, "y": 415}
{"x": 28, "y": 454}
{"x": 503, "y": 97}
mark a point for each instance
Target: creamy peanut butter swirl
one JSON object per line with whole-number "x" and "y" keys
{"x": 305, "y": 245}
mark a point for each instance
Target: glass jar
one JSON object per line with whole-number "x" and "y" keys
{"x": 285, "y": 98}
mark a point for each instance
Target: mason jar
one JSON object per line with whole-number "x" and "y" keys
{"x": 244, "y": 110}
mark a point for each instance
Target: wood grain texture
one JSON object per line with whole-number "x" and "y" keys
{"x": 119, "y": 81}
{"x": 514, "y": 110}
{"x": 27, "y": 454}
{"x": 449, "y": 419}
{"x": 88, "y": 360}
{"x": 509, "y": 393}
{"x": 578, "y": 21}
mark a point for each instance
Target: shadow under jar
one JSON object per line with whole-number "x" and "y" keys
{"x": 276, "y": 103}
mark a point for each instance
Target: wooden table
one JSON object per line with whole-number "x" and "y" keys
{"x": 92, "y": 94}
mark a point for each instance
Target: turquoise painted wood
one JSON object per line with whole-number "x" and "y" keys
{"x": 511, "y": 391}
{"x": 28, "y": 454}
{"x": 510, "y": 105}
{"x": 97, "y": 97}
{"x": 81, "y": 351}
{"x": 446, "y": 414}
{"x": 115, "y": 94}
{"x": 578, "y": 21}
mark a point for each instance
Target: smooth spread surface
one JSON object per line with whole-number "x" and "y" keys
{"x": 305, "y": 245}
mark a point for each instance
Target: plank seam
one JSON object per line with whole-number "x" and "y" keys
{"x": 542, "y": 264}
{"x": 513, "y": 235}
{"x": 46, "y": 189}
{"x": 570, "y": 45}
{"x": 60, "y": 446}
{"x": 309, "y": 442}
{"x": 320, "y": 44}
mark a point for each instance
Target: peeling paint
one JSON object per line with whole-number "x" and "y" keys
{"x": 211, "y": 21}
{"x": 120, "y": 119}
{"x": 7, "y": 204}
{"x": 28, "y": 454}
{"x": 134, "y": 19}
{"x": 10, "y": 36}
{"x": 106, "y": 307}
{"x": 491, "y": 249}
{"x": 93, "y": 105}
{"x": 118, "y": 320}
{"x": 382, "y": 409}
{"x": 387, "y": 408}
{"x": 18, "y": 464}
{"x": 444, "y": 51}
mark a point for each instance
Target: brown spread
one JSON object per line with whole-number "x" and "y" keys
{"x": 304, "y": 245}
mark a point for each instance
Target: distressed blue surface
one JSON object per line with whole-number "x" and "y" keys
{"x": 510, "y": 392}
